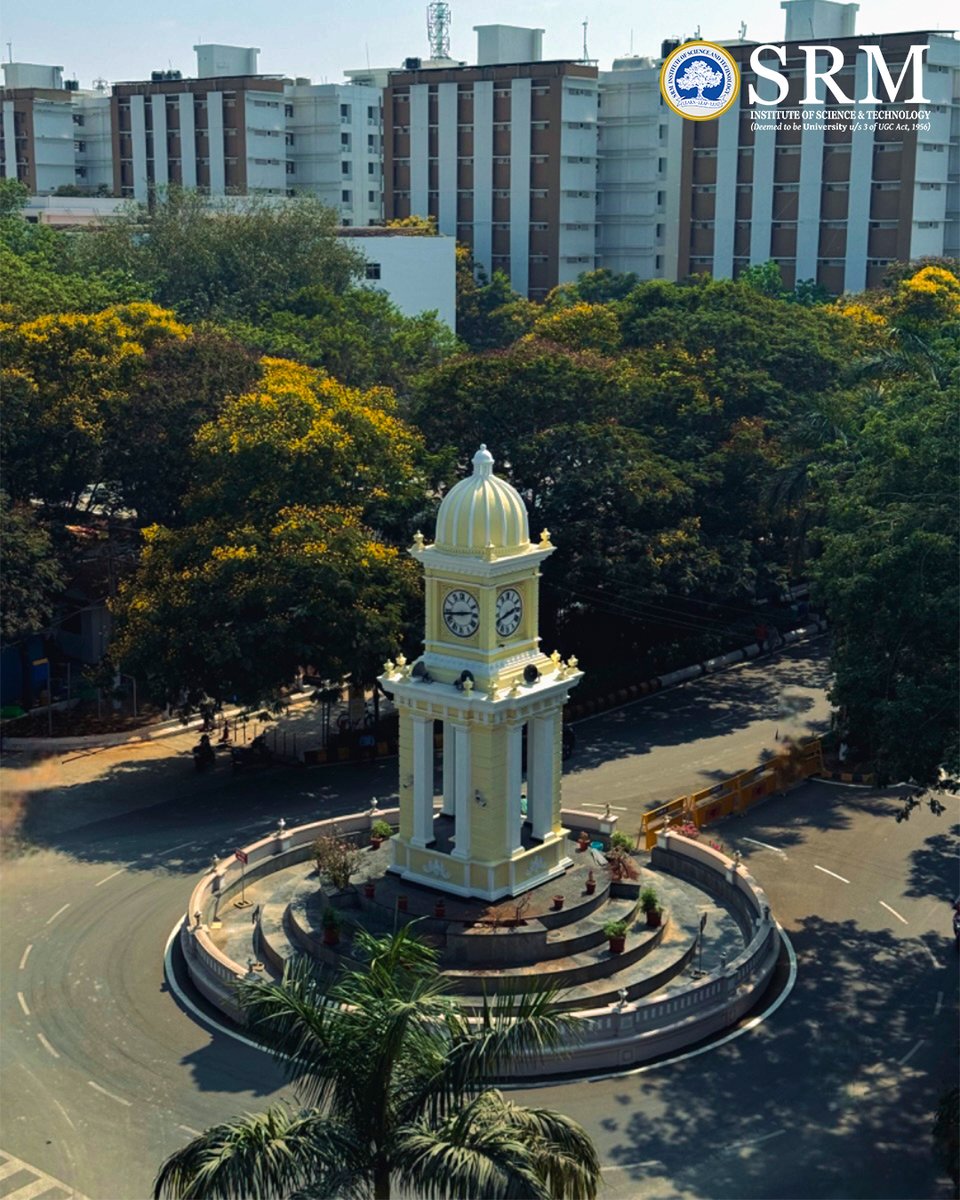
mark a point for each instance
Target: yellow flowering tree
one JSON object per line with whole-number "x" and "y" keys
{"x": 285, "y": 553}
{"x": 61, "y": 375}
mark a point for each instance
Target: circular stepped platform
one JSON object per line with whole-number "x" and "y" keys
{"x": 503, "y": 948}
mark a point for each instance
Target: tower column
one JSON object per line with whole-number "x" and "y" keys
{"x": 462, "y": 797}
{"x": 541, "y": 737}
{"x": 514, "y": 838}
{"x": 422, "y": 781}
{"x": 449, "y": 761}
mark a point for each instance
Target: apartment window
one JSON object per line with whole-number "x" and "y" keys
{"x": 888, "y": 147}
{"x": 659, "y": 262}
{"x": 663, "y": 132}
{"x": 785, "y": 151}
{"x": 371, "y": 197}
{"x": 928, "y": 224}
{"x": 661, "y": 199}
{"x": 288, "y": 138}
{"x": 291, "y": 168}
{"x": 661, "y": 165}
{"x": 373, "y": 112}
{"x": 80, "y": 147}
{"x": 345, "y": 167}
{"x": 78, "y": 118}
{"x": 371, "y": 141}
{"x": 345, "y": 140}
{"x": 344, "y": 112}
{"x": 931, "y": 187}
{"x": 661, "y": 229}
{"x": 372, "y": 168}
{"x": 372, "y": 270}
{"x": 546, "y": 125}
{"x": 288, "y": 110}
{"x": 928, "y": 147}
{"x": 346, "y": 196}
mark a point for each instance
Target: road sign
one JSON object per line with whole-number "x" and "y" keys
{"x": 241, "y": 856}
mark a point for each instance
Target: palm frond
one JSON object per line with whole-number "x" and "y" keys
{"x": 260, "y": 1156}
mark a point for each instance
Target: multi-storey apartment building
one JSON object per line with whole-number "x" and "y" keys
{"x": 835, "y": 204}
{"x": 503, "y": 154}
{"x": 52, "y": 134}
{"x": 334, "y": 140}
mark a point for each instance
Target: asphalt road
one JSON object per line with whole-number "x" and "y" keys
{"x": 102, "y": 1074}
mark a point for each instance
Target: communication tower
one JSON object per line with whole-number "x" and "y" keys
{"x": 438, "y": 29}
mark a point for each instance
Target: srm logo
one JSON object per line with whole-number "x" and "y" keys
{"x": 877, "y": 69}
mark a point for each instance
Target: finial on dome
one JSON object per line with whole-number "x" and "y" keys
{"x": 483, "y": 462}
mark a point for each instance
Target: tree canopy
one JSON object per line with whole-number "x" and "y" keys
{"x": 394, "y": 1083}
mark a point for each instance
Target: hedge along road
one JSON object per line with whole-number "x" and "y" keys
{"x": 103, "y": 1074}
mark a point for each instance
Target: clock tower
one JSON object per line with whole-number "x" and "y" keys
{"x": 497, "y": 698}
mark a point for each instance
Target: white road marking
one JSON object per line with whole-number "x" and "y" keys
{"x": 23, "y": 1004}
{"x": 38, "y": 1187}
{"x": 26, "y": 955}
{"x": 178, "y": 846}
{"x": 933, "y": 958}
{"x": 864, "y": 787}
{"x": 50, "y": 920}
{"x": 764, "y": 845}
{"x": 765, "y": 1137}
{"x": 103, "y": 1091}
{"x": 46, "y": 1045}
{"x": 894, "y": 911}
{"x": 833, "y": 873}
{"x": 910, "y": 1053}
{"x": 939, "y": 1004}
{"x": 187, "y": 1129}
{"x": 109, "y": 877}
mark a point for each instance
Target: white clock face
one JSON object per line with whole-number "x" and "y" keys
{"x": 509, "y": 612}
{"x": 461, "y": 613}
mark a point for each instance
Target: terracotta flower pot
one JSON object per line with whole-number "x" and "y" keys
{"x": 368, "y": 890}
{"x": 440, "y": 909}
{"x": 401, "y": 904}
{"x": 558, "y": 902}
{"x": 617, "y": 944}
{"x": 591, "y": 886}
{"x": 653, "y": 918}
{"x": 376, "y": 842}
{"x": 582, "y": 844}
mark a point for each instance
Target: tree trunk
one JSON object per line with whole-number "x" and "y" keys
{"x": 381, "y": 1180}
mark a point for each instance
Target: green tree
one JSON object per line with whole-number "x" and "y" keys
{"x": 232, "y": 258}
{"x": 32, "y": 574}
{"x": 150, "y": 427}
{"x": 890, "y": 535}
{"x": 490, "y": 314}
{"x": 357, "y": 334}
{"x": 394, "y": 1083}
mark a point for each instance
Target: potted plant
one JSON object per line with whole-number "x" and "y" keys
{"x": 558, "y": 902}
{"x": 591, "y": 884}
{"x": 379, "y": 832}
{"x": 583, "y": 840}
{"x": 336, "y": 860}
{"x": 616, "y": 934}
{"x": 331, "y": 926}
{"x": 650, "y": 904}
{"x": 621, "y": 841}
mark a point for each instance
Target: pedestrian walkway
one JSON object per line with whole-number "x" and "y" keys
{"x": 20, "y": 1181}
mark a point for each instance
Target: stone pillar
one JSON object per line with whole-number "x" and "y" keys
{"x": 449, "y": 767}
{"x": 462, "y": 795}
{"x": 514, "y": 838}
{"x": 422, "y": 781}
{"x": 541, "y": 735}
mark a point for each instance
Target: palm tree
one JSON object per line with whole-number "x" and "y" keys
{"x": 393, "y": 1079}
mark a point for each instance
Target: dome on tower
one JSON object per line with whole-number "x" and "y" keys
{"x": 482, "y": 515}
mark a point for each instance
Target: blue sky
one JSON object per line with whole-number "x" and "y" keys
{"x": 126, "y": 39}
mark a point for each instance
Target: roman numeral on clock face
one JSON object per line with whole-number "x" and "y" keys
{"x": 461, "y": 613}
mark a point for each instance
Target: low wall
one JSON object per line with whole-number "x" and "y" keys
{"x": 612, "y": 1037}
